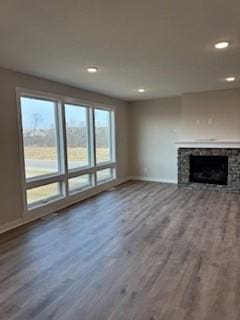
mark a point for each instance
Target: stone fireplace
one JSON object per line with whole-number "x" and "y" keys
{"x": 209, "y": 166}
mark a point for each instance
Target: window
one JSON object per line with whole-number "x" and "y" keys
{"x": 104, "y": 175}
{"x": 77, "y": 136}
{"x": 43, "y": 194}
{"x": 103, "y": 135}
{"x": 78, "y": 183}
{"x": 67, "y": 147}
{"x": 39, "y": 123}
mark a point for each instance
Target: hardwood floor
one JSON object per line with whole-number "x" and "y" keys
{"x": 145, "y": 251}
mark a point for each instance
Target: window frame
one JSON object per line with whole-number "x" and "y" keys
{"x": 62, "y": 177}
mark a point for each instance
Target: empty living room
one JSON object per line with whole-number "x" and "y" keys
{"x": 120, "y": 160}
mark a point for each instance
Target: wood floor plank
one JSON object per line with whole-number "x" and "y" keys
{"x": 144, "y": 251}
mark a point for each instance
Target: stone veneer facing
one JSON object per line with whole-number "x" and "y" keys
{"x": 233, "y": 168}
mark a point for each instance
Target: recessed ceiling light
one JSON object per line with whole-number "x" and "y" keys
{"x": 92, "y": 69}
{"x": 230, "y": 79}
{"x": 141, "y": 90}
{"x": 222, "y": 45}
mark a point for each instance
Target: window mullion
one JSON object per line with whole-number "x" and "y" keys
{"x": 80, "y": 172}
{"x": 93, "y": 143}
{"x": 89, "y": 137}
{"x": 64, "y": 154}
{"x": 106, "y": 165}
{"x": 114, "y": 143}
{"x": 113, "y": 136}
{"x": 44, "y": 181}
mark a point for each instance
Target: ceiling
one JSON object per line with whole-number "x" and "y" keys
{"x": 163, "y": 46}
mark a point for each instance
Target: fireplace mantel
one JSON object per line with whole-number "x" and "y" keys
{"x": 207, "y": 143}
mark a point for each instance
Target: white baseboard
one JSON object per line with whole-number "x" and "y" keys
{"x": 31, "y": 217}
{"x": 11, "y": 225}
{"x": 152, "y": 179}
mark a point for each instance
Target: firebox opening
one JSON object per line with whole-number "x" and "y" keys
{"x": 209, "y": 169}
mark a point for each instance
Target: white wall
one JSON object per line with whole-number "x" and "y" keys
{"x": 11, "y": 204}
{"x": 154, "y": 126}
{"x": 213, "y": 114}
